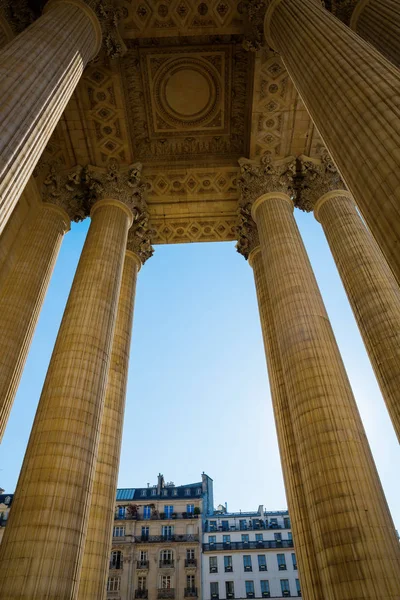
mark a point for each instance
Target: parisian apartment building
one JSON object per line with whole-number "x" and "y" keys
{"x": 169, "y": 541}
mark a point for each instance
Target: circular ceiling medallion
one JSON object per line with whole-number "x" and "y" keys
{"x": 187, "y": 91}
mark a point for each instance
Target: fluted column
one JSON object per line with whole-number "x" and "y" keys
{"x": 21, "y": 297}
{"x": 41, "y": 553}
{"x": 356, "y": 546}
{"x": 351, "y": 93}
{"x": 371, "y": 288}
{"x": 311, "y": 589}
{"x": 39, "y": 71}
{"x": 378, "y": 22}
{"x": 101, "y": 517}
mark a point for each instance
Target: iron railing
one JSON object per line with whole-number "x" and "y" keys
{"x": 247, "y": 545}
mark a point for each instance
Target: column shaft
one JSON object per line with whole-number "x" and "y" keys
{"x": 357, "y": 550}
{"x": 39, "y": 71}
{"x": 378, "y": 22}
{"x": 371, "y": 289}
{"x": 304, "y": 544}
{"x": 42, "y": 549}
{"x": 21, "y": 298}
{"x": 351, "y": 93}
{"x": 101, "y": 517}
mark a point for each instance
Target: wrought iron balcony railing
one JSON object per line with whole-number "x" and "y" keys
{"x": 191, "y": 592}
{"x": 142, "y": 564}
{"x": 141, "y": 593}
{"x": 190, "y": 562}
{"x": 266, "y": 544}
{"x": 166, "y": 538}
{"x": 166, "y": 564}
{"x": 166, "y": 593}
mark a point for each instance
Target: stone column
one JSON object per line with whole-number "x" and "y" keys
{"x": 42, "y": 549}
{"x": 356, "y": 545}
{"x": 101, "y": 517}
{"x": 377, "y": 21}
{"x": 24, "y": 288}
{"x": 39, "y": 71}
{"x": 371, "y": 288}
{"x": 249, "y": 247}
{"x": 350, "y": 91}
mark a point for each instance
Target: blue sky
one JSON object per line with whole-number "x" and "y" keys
{"x": 198, "y": 396}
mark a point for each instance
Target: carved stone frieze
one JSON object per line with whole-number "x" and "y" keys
{"x": 190, "y": 229}
{"x": 342, "y": 9}
{"x": 265, "y": 175}
{"x": 254, "y": 13}
{"x": 68, "y": 191}
{"x": 317, "y": 177}
{"x": 109, "y": 14}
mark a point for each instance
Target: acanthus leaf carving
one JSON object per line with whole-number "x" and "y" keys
{"x": 68, "y": 191}
{"x": 318, "y": 177}
{"x": 264, "y": 176}
{"x": 247, "y": 233}
{"x": 109, "y": 16}
{"x": 254, "y": 11}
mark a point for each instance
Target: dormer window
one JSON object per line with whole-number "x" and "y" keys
{"x": 174, "y": 492}
{"x": 154, "y": 492}
{"x": 165, "y": 493}
{"x": 143, "y": 493}
{"x": 187, "y": 492}
{"x": 198, "y": 491}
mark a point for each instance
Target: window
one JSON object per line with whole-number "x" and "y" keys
{"x": 264, "y": 584}
{"x": 281, "y": 562}
{"x": 154, "y": 492}
{"x": 113, "y": 584}
{"x": 190, "y": 553}
{"x": 229, "y": 589}
{"x": 167, "y": 531}
{"x": 166, "y": 582}
{"x": 228, "y": 564}
{"x": 145, "y": 533}
{"x": 118, "y": 531}
{"x": 174, "y": 492}
{"x": 214, "y": 589}
{"x": 278, "y": 537}
{"x": 298, "y": 587}
{"x": 245, "y": 538}
{"x": 247, "y": 563}
{"x": 242, "y": 524}
{"x": 190, "y": 584}
{"x": 121, "y": 512}
{"x": 213, "y": 525}
{"x": 285, "y": 587}
{"x": 262, "y": 562}
{"x": 294, "y": 561}
{"x": 146, "y": 512}
{"x": 273, "y": 523}
{"x": 226, "y": 539}
{"x": 213, "y": 564}
{"x": 286, "y": 523}
{"x": 168, "y": 510}
{"x": 289, "y": 535}
{"x": 249, "y": 589}
{"x": 198, "y": 492}
{"x": 187, "y": 492}
{"x": 142, "y": 583}
{"x": 259, "y": 537}
{"x": 212, "y": 539}
{"x": 225, "y": 525}
{"x": 166, "y": 558}
{"x": 143, "y": 493}
{"x": 190, "y": 509}
{"x": 143, "y": 555}
{"x": 165, "y": 492}
{"x": 116, "y": 559}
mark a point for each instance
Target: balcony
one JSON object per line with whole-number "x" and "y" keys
{"x": 166, "y": 564}
{"x": 286, "y": 593}
{"x": 213, "y": 569}
{"x": 230, "y": 594}
{"x": 142, "y": 564}
{"x": 250, "y": 595}
{"x": 228, "y": 569}
{"x": 248, "y": 568}
{"x": 166, "y": 538}
{"x": 191, "y": 592}
{"x": 266, "y": 594}
{"x": 166, "y": 593}
{"x": 141, "y": 593}
{"x": 155, "y": 516}
{"x": 117, "y": 564}
{"x": 266, "y": 544}
{"x": 282, "y": 568}
{"x": 215, "y": 596}
{"x": 190, "y": 562}
{"x": 262, "y": 567}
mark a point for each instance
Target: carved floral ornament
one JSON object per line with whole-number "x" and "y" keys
{"x": 316, "y": 178}
{"x": 77, "y": 190}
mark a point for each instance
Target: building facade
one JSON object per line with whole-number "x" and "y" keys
{"x": 199, "y": 121}
{"x": 157, "y": 541}
{"x": 249, "y": 555}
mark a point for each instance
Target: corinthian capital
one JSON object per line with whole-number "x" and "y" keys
{"x": 254, "y": 14}
{"x": 116, "y": 182}
{"x": 264, "y": 176}
{"x": 140, "y": 234}
{"x": 318, "y": 176}
{"x": 248, "y": 239}
{"x": 67, "y": 190}
{"x": 109, "y": 15}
